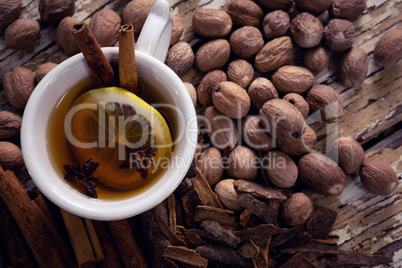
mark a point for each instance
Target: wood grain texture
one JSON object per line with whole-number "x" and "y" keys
{"x": 372, "y": 113}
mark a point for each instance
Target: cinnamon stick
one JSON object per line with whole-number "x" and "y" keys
{"x": 93, "y": 238}
{"x": 128, "y": 250}
{"x": 106, "y": 241}
{"x": 31, "y": 222}
{"x": 93, "y": 55}
{"x": 128, "y": 77}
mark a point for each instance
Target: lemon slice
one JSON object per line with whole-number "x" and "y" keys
{"x": 127, "y": 137}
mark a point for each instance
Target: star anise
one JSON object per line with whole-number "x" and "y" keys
{"x": 82, "y": 176}
{"x": 140, "y": 158}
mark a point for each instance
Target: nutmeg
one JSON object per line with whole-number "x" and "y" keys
{"x": 276, "y": 4}
{"x": 221, "y": 129}
{"x": 105, "y": 25}
{"x": 136, "y": 12}
{"x": 350, "y": 155}
{"x": 10, "y": 156}
{"x": 378, "y": 177}
{"x": 275, "y": 24}
{"x": 321, "y": 174}
{"x": 210, "y": 165}
{"x": 326, "y": 100}
{"x": 207, "y": 84}
{"x": 274, "y": 54}
{"x": 388, "y": 50}
{"x": 246, "y": 41}
{"x": 245, "y": 12}
{"x": 22, "y": 33}
{"x": 241, "y": 72}
{"x": 231, "y": 99}
{"x": 65, "y": 40}
{"x": 317, "y": 59}
{"x": 348, "y": 9}
{"x": 212, "y": 55}
{"x": 307, "y": 30}
{"x": 299, "y": 146}
{"x": 260, "y": 91}
{"x": 279, "y": 168}
{"x": 10, "y": 124}
{"x": 177, "y": 30}
{"x": 314, "y": 6}
{"x": 243, "y": 163}
{"x": 180, "y": 58}
{"x": 192, "y": 92}
{"x": 293, "y": 79}
{"x": 53, "y": 11}
{"x": 43, "y": 69}
{"x": 254, "y": 134}
{"x": 353, "y": 67}
{"x": 211, "y": 23}
{"x": 10, "y": 10}
{"x": 299, "y": 102}
{"x": 227, "y": 194}
{"x": 297, "y": 209}
{"x": 339, "y": 35}
{"x": 18, "y": 85}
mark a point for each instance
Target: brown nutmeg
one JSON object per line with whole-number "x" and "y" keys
{"x": 246, "y": 41}
{"x": 191, "y": 91}
{"x": 317, "y": 59}
{"x": 321, "y": 174}
{"x": 212, "y": 55}
{"x": 326, "y": 100}
{"x": 211, "y": 23}
{"x": 275, "y": 24}
{"x": 243, "y": 163}
{"x": 276, "y": 4}
{"x": 10, "y": 124}
{"x": 388, "y": 50}
{"x": 348, "y": 9}
{"x": 136, "y": 12}
{"x": 180, "y": 58}
{"x": 378, "y": 177}
{"x": 53, "y": 11}
{"x": 241, "y": 72}
{"x": 207, "y": 84}
{"x": 280, "y": 169}
{"x": 274, "y": 54}
{"x": 353, "y": 67}
{"x": 297, "y": 209}
{"x": 231, "y": 99}
{"x": 65, "y": 40}
{"x": 10, "y": 156}
{"x": 210, "y": 165}
{"x": 105, "y": 25}
{"x": 228, "y": 195}
{"x": 177, "y": 30}
{"x": 260, "y": 91}
{"x": 307, "y": 30}
{"x": 18, "y": 85}
{"x": 339, "y": 35}
{"x": 299, "y": 102}
{"x": 245, "y": 12}
{"x": 314, "y": 6}
{"x": 22, "y": 33}
{"x": 254, "y": 134}
{"x": 43, "y": 69}
{"x": 293, "y": 79}
{"x": 350, "y": 155}
{"x": 10, "y": 10}
{"x": 299, "y": 146}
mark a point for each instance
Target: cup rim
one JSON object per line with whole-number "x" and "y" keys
{"x": 61, "y": 193}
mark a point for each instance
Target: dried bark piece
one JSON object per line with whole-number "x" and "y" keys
{"x": 220, "y": 233}
{"x": 321, "y": 222}
{"x": 262, "y": 259}
{"x": 222, "y": 254}
{"x": 258, "y": 208}
{"x": 262, "y": 230}
{"x": 204, "y": 191}
{"x": 259, "y": 190}
{"x": 185, "y": 255}
{"x": 356, "y": 259}
{"x": 224, "y": 217}
{"x": 190, "y": 200}
{"x": 249, "y": 250}
{"x": 286, "y": 236}
{"x": 249, "y": 220}
{"x": 299, "y": 261}
{"x": 305, "y": 244}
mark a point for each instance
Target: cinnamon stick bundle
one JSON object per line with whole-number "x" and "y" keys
{"x": 93, "y": 55}
{"x": 128, "y": 77}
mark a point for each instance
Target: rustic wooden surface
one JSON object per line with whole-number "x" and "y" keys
{"x": 372, "y": 114}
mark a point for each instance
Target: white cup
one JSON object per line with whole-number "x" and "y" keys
{"x": 150, "y": 53}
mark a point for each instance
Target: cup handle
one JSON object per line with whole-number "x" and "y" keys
{"x": 155, "y": 35}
